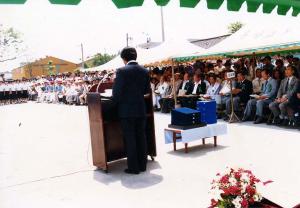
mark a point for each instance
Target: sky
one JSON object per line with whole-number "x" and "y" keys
{"x": 58, "y": 30}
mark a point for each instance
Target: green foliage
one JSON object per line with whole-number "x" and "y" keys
{"x": 234, "y": 27}
{"x": 100, "y": 59}
{"x": 85, "y": 65}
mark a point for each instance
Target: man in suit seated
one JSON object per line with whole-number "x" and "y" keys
{"x": 264, "y": 99}
{"x": 294, "y": 107}
{"x": 214, "y": 88}
{"x": 194, "y": 91}
{"x": 132, "y": 83}
{"x": 241, "y": 92}
{"x": 287, "y": 89}
{"x": 185, "y": 85}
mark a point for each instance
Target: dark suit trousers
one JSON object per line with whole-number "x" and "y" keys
{"x": 135, "y": 142}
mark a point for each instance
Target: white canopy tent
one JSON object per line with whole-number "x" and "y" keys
{"x": 163, "y": 52}
{"x": 262, "y": 35}
{"x": 168, "y": 49}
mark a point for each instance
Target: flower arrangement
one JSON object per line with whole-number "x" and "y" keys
{"x": 235, "y": 189}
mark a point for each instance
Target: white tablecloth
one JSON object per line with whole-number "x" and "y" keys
{"x": 197, "y": 133}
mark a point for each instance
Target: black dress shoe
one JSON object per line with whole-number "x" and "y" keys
{"x": 258, "y": 120}
{"x": 277, "y": 121}
{"x": 128, "y": 171}
{"x": 285, "y": 122}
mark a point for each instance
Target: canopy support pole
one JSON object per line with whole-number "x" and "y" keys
{"x": 173, "y": 83}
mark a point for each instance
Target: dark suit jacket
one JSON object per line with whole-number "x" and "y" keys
{"x": 131, "y": 84}
{"x": 201, "y": 89}
{"x": 187, "y": 86}
{"x": 246, "y": 90}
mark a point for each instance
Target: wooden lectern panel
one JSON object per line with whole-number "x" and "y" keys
{"x": 106, "y": 133}
{"x": 96, "y": 129}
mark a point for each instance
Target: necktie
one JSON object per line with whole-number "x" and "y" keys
{"x": 265, "y": 88}
{"x": 287, "y": 85}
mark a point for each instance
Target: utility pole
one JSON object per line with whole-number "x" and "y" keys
{"x": 127, "y": 39}
{"x": 162, "y": 24}
{"x": 82, "y": 61}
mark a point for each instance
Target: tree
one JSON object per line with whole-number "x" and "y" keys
{"x": 100, "y": 59}
{"x": 234, "y": 27}
{"x": 11, "y": 44}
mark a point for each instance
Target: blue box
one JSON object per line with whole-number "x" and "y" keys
{"x": 208, "y": 110}
{"x": 185, "y": 117}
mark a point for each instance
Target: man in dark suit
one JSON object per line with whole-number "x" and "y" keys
{"x": 198, "y": 87}
{"x": 241, "y": 92}
{"x": 195, "y": 89}
{"x": 287, "y": 89}
{"x": 131, "y": 84}
{"x": 186, "y": 84}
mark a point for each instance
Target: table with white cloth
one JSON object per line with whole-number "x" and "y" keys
{"x": 173, "y": 135}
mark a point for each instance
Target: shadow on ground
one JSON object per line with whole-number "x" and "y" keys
{"x": 196, "y": 150}
{"x": 141, "y": 181}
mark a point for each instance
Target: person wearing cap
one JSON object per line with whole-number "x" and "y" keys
{"x": 131, "y": 84}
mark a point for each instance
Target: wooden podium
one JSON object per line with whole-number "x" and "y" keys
{"x": 106, "y": 134}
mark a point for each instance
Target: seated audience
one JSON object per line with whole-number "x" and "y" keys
{"x": 264, "y": 99}
{"x": 257, "y": 82}
{"x": 286, "y": 90}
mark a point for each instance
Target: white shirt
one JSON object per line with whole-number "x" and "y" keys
{"x": 257, "y": 84}
{"x": 132, "y": 61}
{"x": 213, "y": 90}
{"x": 183, "y": 84}
{"x": 226, "y": 88}
{"x": 196, "y": 87}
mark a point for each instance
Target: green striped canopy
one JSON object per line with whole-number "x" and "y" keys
{"x": 289, "y": 48}
{"x": 283, "y": 6}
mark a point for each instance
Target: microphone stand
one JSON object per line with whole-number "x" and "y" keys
{"x": 233, "y": 117}
{"x": 102, "y": 81}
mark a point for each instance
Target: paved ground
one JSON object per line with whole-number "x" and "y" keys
{"x": 45, "y": 161}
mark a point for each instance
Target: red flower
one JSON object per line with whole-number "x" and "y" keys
{"x": 250, "y": 190}
{"x": 224, "y": 179}
{"x": 234, "y": 190}
{"x": 226, "y": 191}
{"x": 237, "y": 175}
{"x": 213, "y": 203}
{"x": 251, "y": 201}
{"x": 244, "y": 203}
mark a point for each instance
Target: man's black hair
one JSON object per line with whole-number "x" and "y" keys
{"x": 293, "y": 68}
{"x": 227, "y": 63}
{"x": 129, "y": 54}
{"x": 268, "y": 58}
{"x": 242, "y": 72}
{"x": 267, "y": 71}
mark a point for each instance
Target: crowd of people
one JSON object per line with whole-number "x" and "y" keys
{"x": 68, "y": 88}
{"x": 264, "y": 89}
{"x": 262, "y": 86}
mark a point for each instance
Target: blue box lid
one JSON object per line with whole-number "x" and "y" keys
{"x": 186, "y": 110}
